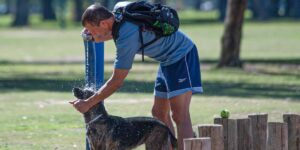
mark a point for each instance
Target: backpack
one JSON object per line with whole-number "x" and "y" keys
{"x": 160, "y": 19}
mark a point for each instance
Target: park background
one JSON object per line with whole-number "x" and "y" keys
{"x": 42, "y": 58}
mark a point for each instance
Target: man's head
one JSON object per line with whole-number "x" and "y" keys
{"x": 98, "y": 21}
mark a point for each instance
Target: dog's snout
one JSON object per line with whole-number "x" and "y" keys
{"x": 82, "y": 93}
{"x": 78, "y": 93}
{"x": 88, "y": 93}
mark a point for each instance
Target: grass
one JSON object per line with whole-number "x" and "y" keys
{"x": 39, "y": 67}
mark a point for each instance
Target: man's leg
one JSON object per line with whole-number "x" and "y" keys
{"x": 161, "y": 111}
{"x": 180, "y": 113}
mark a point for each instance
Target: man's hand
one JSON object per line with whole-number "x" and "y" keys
{"x": 81, "y": 105}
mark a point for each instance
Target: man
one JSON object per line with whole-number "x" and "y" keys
{"x": 178, "y": 74}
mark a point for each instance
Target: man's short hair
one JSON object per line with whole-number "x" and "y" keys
{"x": 94, "y": 14}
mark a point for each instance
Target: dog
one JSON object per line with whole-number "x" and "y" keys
{"x": 108, "y": 132}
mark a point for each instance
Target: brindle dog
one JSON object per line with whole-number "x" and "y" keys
{"x": 107, "y": 132}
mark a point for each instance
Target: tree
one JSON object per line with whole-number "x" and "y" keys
{"x": 231, "y": 39}
{"x": 22, "y": 13}
{"x": 197, "y": 4}
{"x": 9, "y": 5}
{"x": 222, "y": 4}
{"x": 259, "y": 9}
{"x": 274, "y": 8}
{"x": 60, "y": 6}
{"x": 78, "y": 10}
{"x": 48, "y": 10}
{"x": 292, "y": 8}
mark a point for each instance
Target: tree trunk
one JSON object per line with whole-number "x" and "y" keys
{"x": 293, "y": 8}
{"x": 60, "y": 9}
{"x": 287, "y": 8}
{"x": 22, "y": 13}
{"x": 231, "y": 39}
{"x": 196, "y": 4}
{"x": 260, "y": 10}
{"x": 47, "y": 10}
{"x": 222, "y": 4}
{"x": 78, "y": 10}
{"x": 274, "y": 8}
{"x": 8, "y": 4}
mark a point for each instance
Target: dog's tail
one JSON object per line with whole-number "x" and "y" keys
{"x": 173, "y": 140}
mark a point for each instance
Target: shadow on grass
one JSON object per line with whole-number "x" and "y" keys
{"x": 247, "y": 90}
{"x": 28, "y": 84}
{"x": 212, "y": 88}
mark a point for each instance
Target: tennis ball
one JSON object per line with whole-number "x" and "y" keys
{"x": 225, "y": 113}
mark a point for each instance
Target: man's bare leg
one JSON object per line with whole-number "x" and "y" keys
{"x": 161, "y": 111}
{"x": 181, "y": 115}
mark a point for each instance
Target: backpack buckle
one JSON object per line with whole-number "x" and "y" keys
{"x": 118, "y": 14}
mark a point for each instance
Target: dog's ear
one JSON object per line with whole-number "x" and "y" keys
{"x": 78, "y": 93}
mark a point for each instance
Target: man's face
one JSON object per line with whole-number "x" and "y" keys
{"x": 99, "y": 32}
{"x": 95, "y": 30}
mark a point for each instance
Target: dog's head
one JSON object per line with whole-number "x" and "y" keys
{"x": 94, "y": 111}
{"x": 83, "y": 93}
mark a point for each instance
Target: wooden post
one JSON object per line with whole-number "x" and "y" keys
{"x": 259, "y": 124}
{"x": 244, "y": 134}
{"x": 229, "y": 132}
{"x": 203, "y": 143}
{"x": 215, "y": 132}
{"x": 293, "y": 123}
{"x": 277, "y": 136}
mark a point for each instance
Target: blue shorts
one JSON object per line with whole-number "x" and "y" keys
{"x": 180, "y": 77}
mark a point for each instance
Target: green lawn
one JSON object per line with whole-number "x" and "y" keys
{"x": 39, "y": 67}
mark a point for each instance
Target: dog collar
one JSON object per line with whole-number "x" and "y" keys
{"x": 96, "y": 118}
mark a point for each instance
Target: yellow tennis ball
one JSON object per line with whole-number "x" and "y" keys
{"x": 225, "y": 113}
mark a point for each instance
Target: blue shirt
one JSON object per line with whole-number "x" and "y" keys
{"x": 167, "y": 50}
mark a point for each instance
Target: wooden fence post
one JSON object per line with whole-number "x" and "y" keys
{"x": 259, "y": 124}
{"x": 203, "y": 143}
{"x": 277, "y": 136}
{"x": 229, "y": 132}
{"x": 244, "y": 134}
{"x": 215, "y": 132}
{"x": 293, "y": 123}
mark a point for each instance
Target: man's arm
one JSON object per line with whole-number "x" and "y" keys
{"x": 112, "y": 85}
